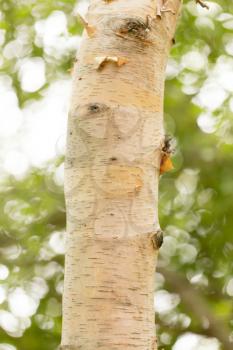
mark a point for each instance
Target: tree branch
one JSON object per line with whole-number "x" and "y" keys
{"x": 202, "y": 4}
{"x": 197, "y": 305}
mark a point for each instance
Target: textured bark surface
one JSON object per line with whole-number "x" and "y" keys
{"x": 115, "y": 138}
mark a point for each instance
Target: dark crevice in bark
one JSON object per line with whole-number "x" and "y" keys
{"x": 157, "y": 239}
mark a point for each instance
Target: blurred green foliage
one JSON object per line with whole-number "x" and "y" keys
{"x": 196, "y": 206}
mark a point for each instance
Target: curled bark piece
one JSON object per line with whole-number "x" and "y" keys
{"x": 102, "y": 60}
{"x": 157, "y": 239}
{"x": 162, "y": 7}
{"x": 90, "y": 29}
{"x": 202, "y": 4}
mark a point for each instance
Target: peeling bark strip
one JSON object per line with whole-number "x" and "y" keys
{"x": 90, "y": 29}
{"x": 114, "y": 148}
{"x": 102, "y": 61}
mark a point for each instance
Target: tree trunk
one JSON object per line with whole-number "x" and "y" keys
{"x": 114, "y": 148}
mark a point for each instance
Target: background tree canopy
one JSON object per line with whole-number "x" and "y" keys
{"x": 194, "y": 281}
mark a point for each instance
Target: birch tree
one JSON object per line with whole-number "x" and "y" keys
{"x": 116, "y": 151}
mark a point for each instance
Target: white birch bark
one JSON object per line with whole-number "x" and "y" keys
{"x": 115, "y": 139}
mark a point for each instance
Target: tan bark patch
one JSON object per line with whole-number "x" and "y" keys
{"x": 123, "y": 180}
